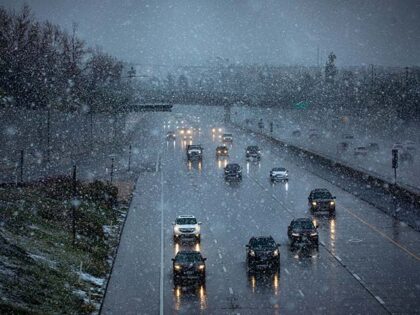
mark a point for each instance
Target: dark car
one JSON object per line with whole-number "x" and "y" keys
{"x": 222, "y": 151}
{"x": 279, "y": 174}
{"x": 233, "y": 171}
{"x": 189, "y": 266}
{"x": 170, "y": 135}
{"x": 227, "y": 137}
{"x": 262, "y": 252}
{"x": 253, "y": 152}
{"x": 304, "y": 231}
{"x": 194, "y": 152}
{"x": 322, "y": 200}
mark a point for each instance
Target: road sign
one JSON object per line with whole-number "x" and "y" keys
{"x": 394, "y": 158}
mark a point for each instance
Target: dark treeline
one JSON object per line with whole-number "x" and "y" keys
{"x": 372, "y": 90}
{"x": 44, "y": 66}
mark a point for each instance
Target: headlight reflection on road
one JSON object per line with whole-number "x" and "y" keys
{"x": 276, "y": 283}
{"x": 202, "y": 295}
{"x": 332, "y": 235}
{"x": 176, "y": 248}
{"x": 197, "y": 247}
{"x": 247, "y": 167}
{"x": 253, "y": 283}
{"x": 286, "y": 186}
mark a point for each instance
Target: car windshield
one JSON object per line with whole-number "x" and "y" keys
{"x": 183, "y": 221}
{"x": 279, "y": 169}
{"x": 252, "y": 148}
{"x": 227, "y": 135}
{"x": 233, "y": 167}
{"x": 304, "y": 224}
{"x": 186, "y": 257}
{"x": 322, "y": 195}
{"x": 262, "y": 242}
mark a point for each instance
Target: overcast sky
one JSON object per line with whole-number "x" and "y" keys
{"x": 385, "y": 32}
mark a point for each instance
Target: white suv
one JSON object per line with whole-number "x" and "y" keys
{"x": 186, "y": 227}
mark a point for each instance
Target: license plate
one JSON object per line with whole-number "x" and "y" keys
{"x": 189, "y": 273}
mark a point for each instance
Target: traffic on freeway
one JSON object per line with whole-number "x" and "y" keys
{"x": 250, "y": 231}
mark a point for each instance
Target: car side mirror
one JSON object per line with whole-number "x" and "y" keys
{"x": 334, "y": 197}
{"x": 204, "y": 259}
{"x": 247, "y": 246}
{"x": 173, "y": 259}
{"x": 316, "y": 226}
{"x": 199, "y": 223}
{"x": 173, "y": 223}
{"x": 278, "y": 244}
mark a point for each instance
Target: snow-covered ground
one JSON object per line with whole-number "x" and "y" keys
{"x": 323, "y": 132}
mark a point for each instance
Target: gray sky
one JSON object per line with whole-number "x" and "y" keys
{"x": 192, "y": 32}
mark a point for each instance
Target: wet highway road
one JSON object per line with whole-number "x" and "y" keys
{"x": 367, "y": 261}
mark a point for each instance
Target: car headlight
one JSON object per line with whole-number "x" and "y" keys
{"x": 220, "y": 129}
{"x": 314, "y": 234}
{"x": 176, "y": 229}
{"x": 332, "y": 203}
{"x": 276, "y": 252}
{"x": 252, "y": 253}
{"x": 213, "y": 130}
{"x": 189, "y": 131}
{"x": 197, "y": 228}
{"x": 314, "y": 203}
{"x": 201, "y": 267}
{"x": 182, "y": 132}
{"x": 178, "y": 267}
{"x": 247, "y": 151}
{"x": 295, "y": 234}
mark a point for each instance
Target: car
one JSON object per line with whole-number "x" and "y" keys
{"x": 347, "y": 136}
{"x": 233, "y": 171}
{"x": 314, "y": 134}
{"x": 262, "y": 252}
{"x": 409, "y": 146}
{"x": 398, "y": 146}
{"x": 253, "y": 152}
{"x": 222, "y": 151}
{"x": 187, "y": 228}
{"x": 296, "y": 133}
{"x": 373, "y": 146}
{"x": 279, "y": 174}
{"x": 189, "y": 265}
{"x": 194, "y": 152}
{"x": 184, "y": 131}
{"x": 320, "y": 199}
{"x": 360, "y": 151}
{"x": 216, "y": 130}
{"x": 342, "y": 146}
{"x": 303, "y": 231}
{"x": 170, "y": 135}
{"x": 227, "y": 137}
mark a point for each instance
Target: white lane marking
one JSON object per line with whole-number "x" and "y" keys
{"x": 357, "y": 277}
{"x": 301, "y": 293}
{"x": 157, "y": 162}
{"x": 224, "y": 269}
{"x": 287, "y": 271}
{"x": 215, "y": 241}
{"x": 230, "y": 291}
{"x": 161, "y": 245}
{"x": 220, "y": 255}
{"x": 379, "y": 300}
{"x": 338, "y": 258}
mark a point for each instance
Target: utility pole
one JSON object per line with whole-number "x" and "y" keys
{"x": 48, "y": 134}
{"x": 317, "y": 57}
{"x": 21, "y": 166}
{"x": 74, "y": 205}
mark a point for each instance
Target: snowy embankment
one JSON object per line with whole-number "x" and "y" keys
{"x": 324, "y": 132}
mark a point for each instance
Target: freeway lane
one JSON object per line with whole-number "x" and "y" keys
{"x": 368, "y": 264}
{"x": 231, "y": 214}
